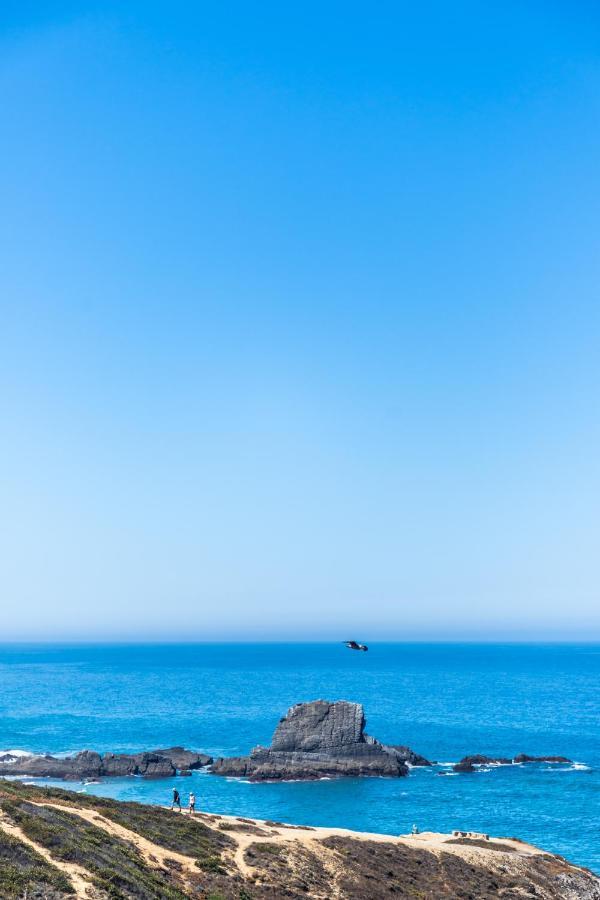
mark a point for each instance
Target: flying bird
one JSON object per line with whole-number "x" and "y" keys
{"x": 352, "y": 645}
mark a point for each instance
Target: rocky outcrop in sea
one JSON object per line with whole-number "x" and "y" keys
{"x": 317, "y": 740}
{"x": 472, "y": 763}
{"x": 89, "y": 764}
{"x": 314, "y": 740}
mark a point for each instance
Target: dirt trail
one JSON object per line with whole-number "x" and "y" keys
{"x": 153, "y": 855}
{"x": 158, "y": 857}
{"x": 77, "y": 875}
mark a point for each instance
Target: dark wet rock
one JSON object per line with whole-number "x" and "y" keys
{"x": 83, "y": 765}
{"x": 318, "y": 740}
{"x": 471, "y": 763}
{"x": 524, "y": 758}
{"x": 409, "y": 756}
{"x": 185, "y": 759}
{"x": 118, "y": 764}
{"x": 152, "y": 765}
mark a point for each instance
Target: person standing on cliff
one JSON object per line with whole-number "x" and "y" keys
{"x": 192, "y": 803}
{"x": 176, "y": 799}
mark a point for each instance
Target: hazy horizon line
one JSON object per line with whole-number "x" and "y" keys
{"x": 127, "y": 641}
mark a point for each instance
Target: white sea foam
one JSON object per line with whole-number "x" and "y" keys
{"x": 17, "y": 754}
{"x": 576, "y": 767}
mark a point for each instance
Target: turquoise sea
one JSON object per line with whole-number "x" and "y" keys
{"x": 444, "y": 700}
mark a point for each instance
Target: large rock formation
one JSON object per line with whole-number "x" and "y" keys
{"x": 88, "y": 764}
{"x": 320, "y": 739}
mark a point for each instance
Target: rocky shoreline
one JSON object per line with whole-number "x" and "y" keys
{"x": 88, "y": 764}
{"x": 319, "y": 739}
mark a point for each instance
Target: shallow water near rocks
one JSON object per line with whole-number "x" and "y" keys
{"x": 443, "y": 700}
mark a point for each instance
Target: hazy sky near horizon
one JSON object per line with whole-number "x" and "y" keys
{"x": 300, "y": 320}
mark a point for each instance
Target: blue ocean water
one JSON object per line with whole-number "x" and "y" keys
{"x": 444, "y": 700}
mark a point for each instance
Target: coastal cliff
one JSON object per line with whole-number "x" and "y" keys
{"x": 56, "y": 845}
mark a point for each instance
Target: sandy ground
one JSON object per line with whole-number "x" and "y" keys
{"x": 261, "y": 831}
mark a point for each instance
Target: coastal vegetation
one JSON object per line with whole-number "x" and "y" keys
{"x": 55, "y": 844}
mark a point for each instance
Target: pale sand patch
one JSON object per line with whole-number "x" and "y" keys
{"x": 427, "y": 840}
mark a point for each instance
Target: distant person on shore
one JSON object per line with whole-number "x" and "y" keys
{"x": 176, "y": 799}
{"x": 192, "y": 804}
{"x": 415, "y": 829}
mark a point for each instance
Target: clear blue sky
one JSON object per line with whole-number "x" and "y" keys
{"x": 300, "y": 320}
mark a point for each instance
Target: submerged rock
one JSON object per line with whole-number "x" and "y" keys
{"x": 524, "y": 758}
{"x": 318, "y": 740}
{"x": 471, "y": 763}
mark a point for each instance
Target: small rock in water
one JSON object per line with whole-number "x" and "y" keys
{"x": 471, "y": 763}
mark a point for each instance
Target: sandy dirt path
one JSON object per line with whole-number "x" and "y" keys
{"x": 77, "y": 875}
{"x": 160, "y": 858}
{"x": 155, "y": 856}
